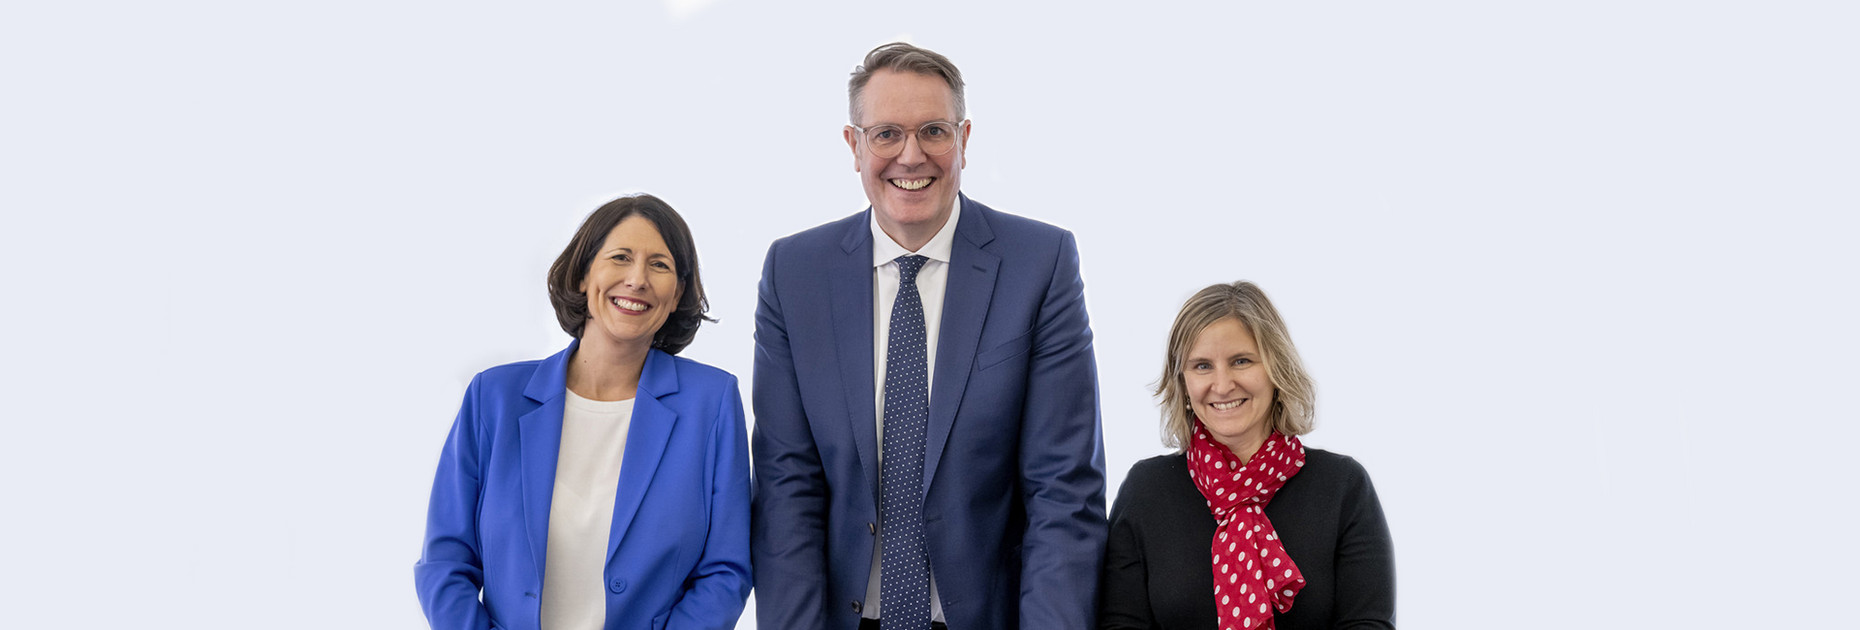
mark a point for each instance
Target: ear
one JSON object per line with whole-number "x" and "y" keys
{"x": 962, "y": 143}
{"x": 852, "y": 142}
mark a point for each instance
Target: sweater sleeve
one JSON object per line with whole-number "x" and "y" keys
{"x": 1365, "y": 559}
{"x": 1123, "y": 592}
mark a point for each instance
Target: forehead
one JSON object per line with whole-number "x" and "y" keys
{"x": 636, "y": 233}
{"x": 1226, "y": 336}
{"x": 906, "y": 98}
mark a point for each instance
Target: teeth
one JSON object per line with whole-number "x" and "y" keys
{"x": 629, "y": 304}
{"x": 912, "y": 184}
{"x": 1226, "y": 405}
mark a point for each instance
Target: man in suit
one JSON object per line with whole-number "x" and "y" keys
{"x": 927, "y": 446}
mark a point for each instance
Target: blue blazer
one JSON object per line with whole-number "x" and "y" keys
{"x": 678, "y": 554}
{"x": 1014, "y": 471}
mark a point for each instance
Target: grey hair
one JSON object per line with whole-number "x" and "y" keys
{"x": 902, "y": 57}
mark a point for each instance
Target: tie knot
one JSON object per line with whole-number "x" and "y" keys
{"x": 908, "y": 265}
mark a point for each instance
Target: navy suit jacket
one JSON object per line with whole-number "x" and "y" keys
{"x": 678, "y": 551}
{"x": 1014, "y": 470}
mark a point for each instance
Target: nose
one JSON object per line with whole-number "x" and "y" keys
{"x": 1226, "y": 380}
{"x": 635, "y": 277}
{"x": 913, "y": 152}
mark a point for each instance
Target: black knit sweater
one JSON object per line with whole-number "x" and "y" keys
{"x": 1157, "y": 570}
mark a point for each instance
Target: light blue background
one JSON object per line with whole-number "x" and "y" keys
{"x": 1576, "y": 279}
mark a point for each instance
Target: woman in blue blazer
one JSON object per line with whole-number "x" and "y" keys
{"x": 606, "y": 486}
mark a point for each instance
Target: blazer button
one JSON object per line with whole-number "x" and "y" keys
{"x": 618, "y": 586}
{"x": 869, "y": 526}
{"x": 856, "y": 607}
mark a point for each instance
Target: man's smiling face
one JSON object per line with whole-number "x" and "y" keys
{"x": 913, "y": 191}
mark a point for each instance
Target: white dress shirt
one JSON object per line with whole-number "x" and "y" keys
{"x": 581, "y": 512}
{"x": 932, "y": 280}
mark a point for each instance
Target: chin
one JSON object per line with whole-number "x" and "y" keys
{"x": 623, "y": 337}
{"x": 915, "y": 211}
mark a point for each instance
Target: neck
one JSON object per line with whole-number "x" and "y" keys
{"x": 1245, "y": 446}
{"x": 604, "y": 370}
{"x": 909, "y": 238}
{"x": 914, "y": 237}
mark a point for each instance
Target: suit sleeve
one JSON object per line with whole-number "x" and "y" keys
{"x": 1124, "y": 591}
{"x": 450, "y": 573}
{"x": 716, "y": 588}
{"x": 1365, "y": 560}
{"x": 1062, "y": 460}
{"x": 789, "y": 527}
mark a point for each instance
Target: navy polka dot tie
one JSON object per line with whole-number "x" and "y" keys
{"x": 904, "y": 582}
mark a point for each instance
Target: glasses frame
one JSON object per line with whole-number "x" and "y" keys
{"x": 866, "y": 140}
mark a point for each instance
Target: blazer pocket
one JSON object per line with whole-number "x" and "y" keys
{"x": 998, "y": 354}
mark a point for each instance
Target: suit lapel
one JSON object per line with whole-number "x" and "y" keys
{"x": 850, "y": 280}
{"x": 646, "y": 438}
{"x": 539, "y": 439}
{"x": 971, "y": 285}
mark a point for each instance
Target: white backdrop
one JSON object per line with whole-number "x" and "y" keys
{"x": 1576, "y": 279}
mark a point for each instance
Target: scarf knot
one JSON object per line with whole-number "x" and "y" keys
{"x": 1253, "y": 577}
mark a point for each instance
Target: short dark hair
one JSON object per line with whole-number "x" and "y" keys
{"x": 902, "y": 57}
{"x": 565, "y": 276}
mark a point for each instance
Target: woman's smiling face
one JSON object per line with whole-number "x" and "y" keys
{"x": 1228, "y": 387}
{"x": 632, "y": 285}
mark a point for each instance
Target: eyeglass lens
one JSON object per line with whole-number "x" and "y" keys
{"x": 934, "y": 138}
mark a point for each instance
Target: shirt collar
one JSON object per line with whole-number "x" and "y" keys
{"x": 885, "y": 250}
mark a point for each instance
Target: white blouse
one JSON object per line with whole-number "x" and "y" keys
{"x": 581, "y": 514}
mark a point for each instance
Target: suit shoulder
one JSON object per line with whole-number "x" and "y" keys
{"x": 823, "y": 235}
{"x": 1019, "y": 228}
{"x": 493, "y": 391}
{"x": 701, "y": 374}
{"x": 508, "y": 375}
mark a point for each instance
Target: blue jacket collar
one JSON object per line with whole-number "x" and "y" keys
{"x": 540, "y": 434}
{"x": 970, "y": 224}
{"x": 658, "y": 379}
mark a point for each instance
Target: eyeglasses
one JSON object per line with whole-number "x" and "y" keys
{"x": 887, "y": 141}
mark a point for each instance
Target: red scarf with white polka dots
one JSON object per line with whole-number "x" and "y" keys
{"x": 1252, "y": 575}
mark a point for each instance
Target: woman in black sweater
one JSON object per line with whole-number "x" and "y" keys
{"x": 1245, "y": 528}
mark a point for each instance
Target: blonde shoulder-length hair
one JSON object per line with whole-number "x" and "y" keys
{"x": 1294, "y": 397}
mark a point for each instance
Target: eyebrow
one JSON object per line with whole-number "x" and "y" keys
{"x": 623, "y": 248}
{"x": 1232, "y": 356}
{"x": 920, "y": 125}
